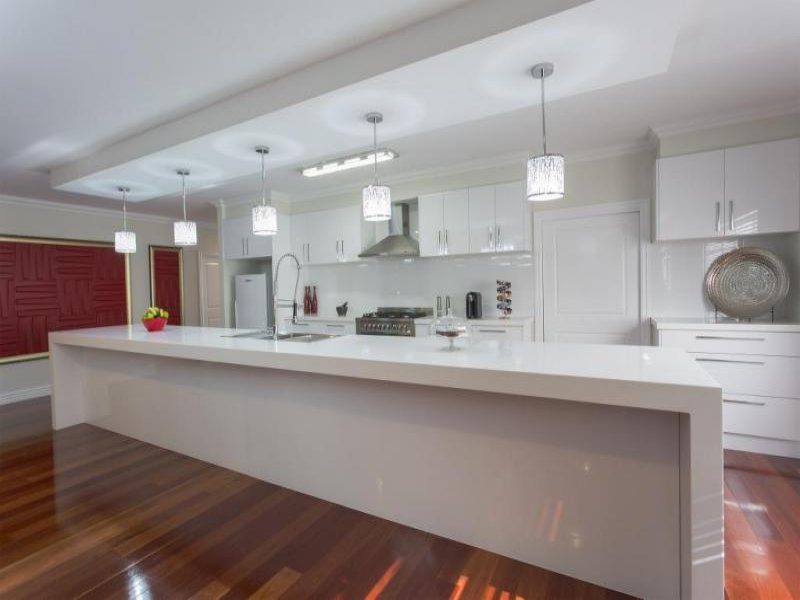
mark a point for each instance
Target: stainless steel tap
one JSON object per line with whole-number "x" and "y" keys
{"x": 278, "y": 302}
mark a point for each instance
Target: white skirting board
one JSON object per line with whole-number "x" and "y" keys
{"x": 24, "y": 394}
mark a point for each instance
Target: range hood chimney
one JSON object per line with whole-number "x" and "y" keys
{"x": 396, "y": 243}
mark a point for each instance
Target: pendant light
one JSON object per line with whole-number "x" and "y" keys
{"x": 545, "y": 171}
{"x": 265, "y": 217}
{"x": 376, "y": 199}
{"x": 185, "y": 232}
{"x": 124, "y": 241}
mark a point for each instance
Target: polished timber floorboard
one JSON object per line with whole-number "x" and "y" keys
{"x": 118, "y": 518}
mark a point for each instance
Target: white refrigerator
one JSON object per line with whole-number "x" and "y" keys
{"x": 253, "y": 301}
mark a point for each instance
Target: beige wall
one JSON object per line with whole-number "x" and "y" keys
{"x": 44, "y": 219}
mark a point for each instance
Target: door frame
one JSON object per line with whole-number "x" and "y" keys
{"x": 593, "y": 210}
{"x": 201, "y": 280}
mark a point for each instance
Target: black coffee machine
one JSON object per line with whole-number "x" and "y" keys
{"x": 474, "y": 307}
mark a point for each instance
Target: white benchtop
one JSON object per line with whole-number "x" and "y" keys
{"x": 640, "y": 376}
{"x": 681, "y": 323}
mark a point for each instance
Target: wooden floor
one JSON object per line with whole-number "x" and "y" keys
{"x": 92, "y": 514}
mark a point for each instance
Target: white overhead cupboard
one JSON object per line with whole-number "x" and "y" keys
{"x": 239, "y": 242}
{"x": 490, "y": 218}
{"x": 327, "y": 236}
{"x": 737, "y": 191}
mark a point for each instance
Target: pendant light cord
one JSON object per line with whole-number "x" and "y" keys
{"x": 124, "y": 212}
{"x": 544, "y": 125}
{"x": 183, "y": 192}
{"x": 263, "y": 182}
{"x": 375, "y": 149}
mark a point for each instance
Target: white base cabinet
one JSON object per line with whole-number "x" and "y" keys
{"x": 758, "y": 367}
{"x": 321, "y": 325}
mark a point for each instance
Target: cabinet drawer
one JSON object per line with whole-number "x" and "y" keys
{"x": 775, "y": 376}
{"x": 734, "y": 342}
{"x": 494, "y": 332}
{"x": 764, "y": 417}
{"x": 322, "y": 327}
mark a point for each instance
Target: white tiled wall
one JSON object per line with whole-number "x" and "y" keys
{"x": 417, "y": 282}
{"x": 675, "y": 272}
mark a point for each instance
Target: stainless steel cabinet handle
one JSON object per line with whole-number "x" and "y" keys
{"x": 748, "y": 402}
{"x": 298, "y": 324}
{"x": 309, "y": 251}
{"x": 243, "y": 252}
{"x": 334, "y": 325}
{"x": 499, "y": 238}
{"x": 491, "y": 240}
{"x": 446, "y": 243}
{"x": 247, "y": 245}
{"x": 440, "y": 241}
{"x": 338, "y": 255}
{"x": 719, "y": 217}
{"x": 730, "y": 215}
{"x": 342, "y": 246}
{"x": 728, "y": 360}
{"x": 723, "y": 337}
{"x": 493, "y": 330}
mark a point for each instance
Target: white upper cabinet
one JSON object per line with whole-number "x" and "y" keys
{"x": 732, "y": 192}
{"x": 482, "y": 219}
{"x": 327, "y": 236}
{"x": 497, "y": 218}
{"x": 511, "y": 217}
{"x": 347, "y": 232}
{"x": 690, "y": 194}
{"x": 444, "y": 223}
{"x": 431, "y": 225}
{"x": 239, "y": 242}
{"x": 762, "y": 188}
{"x": 456, "y": 222}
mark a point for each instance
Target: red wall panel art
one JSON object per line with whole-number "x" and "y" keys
{"x": 165, "y": 279}
{"x": 49, "y": 286}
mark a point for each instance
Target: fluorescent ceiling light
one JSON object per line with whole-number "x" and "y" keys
{"x": 348, "y": 162}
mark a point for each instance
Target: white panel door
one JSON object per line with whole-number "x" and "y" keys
{"x": 481, "y": 219}
{"x": 511, "y": 215}
{"x": 690, "y": 195}
{"x": 321, "y": 237}
{"x": 590, "y": 279}
{"x": 211, "y": 294}
{"x": 762, "y": 188}
{"x": 456, "y": 222}
{"x": 431, "y": 225}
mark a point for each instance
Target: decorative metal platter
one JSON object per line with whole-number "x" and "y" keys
{"x": 746, "y": 282}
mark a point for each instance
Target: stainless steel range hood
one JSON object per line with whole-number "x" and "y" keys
{"x": 397, "y": 243}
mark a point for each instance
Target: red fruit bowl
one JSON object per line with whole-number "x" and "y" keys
{"x": 154, "y": 324}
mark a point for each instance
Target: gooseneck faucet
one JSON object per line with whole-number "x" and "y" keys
{"x": 278, "y": 302}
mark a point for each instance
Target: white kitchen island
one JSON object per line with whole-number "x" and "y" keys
{"x": 600, "y": 462}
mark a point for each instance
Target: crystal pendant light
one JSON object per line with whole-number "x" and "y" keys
{"x": 185, "y": 232}
{"x": 376, "y": 199}
{"x": 545, "y": 171}
{"x": 124, "y": 241}
{"x": 265, "y": 217}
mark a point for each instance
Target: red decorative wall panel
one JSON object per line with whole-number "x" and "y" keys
{"x": 49, "y": 287}
{"x": 166, "y": 281}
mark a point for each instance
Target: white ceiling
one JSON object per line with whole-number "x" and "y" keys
{"x": 619, "y": 70}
